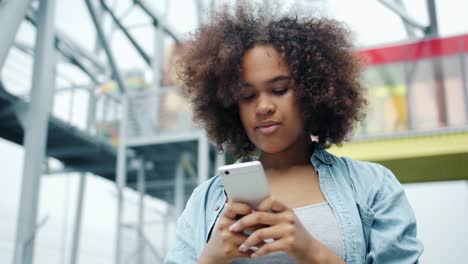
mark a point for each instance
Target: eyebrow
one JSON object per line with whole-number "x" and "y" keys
{"x": 271, "y": 81}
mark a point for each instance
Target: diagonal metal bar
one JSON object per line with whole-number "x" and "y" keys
{"x": 105, "y": 45}
{"x": 137, "y": 46}
{"x": 408, "y": 28}
{"x": 75, "y": 61}
{"x": 64, "y": 40}
{"x": 155, "y": 19}
{"x": 62, "y": 45}
{"x": 11, "y": 15}
{"x": 404, "y": 16}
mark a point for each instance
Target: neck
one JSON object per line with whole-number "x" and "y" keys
{"x": 297, "y": 154}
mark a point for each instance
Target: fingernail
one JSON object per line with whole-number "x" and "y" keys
{"x": 234, "y": 227}
{"x": 253, "y": 255}
{"x": 243, "y": 248}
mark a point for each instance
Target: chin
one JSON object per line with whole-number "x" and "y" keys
{"x": 272, "y": 148}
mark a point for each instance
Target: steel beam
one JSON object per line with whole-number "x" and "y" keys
{"x": 36, "y": 132}
{"x": 82, "y": 187}
{"x": 78, "y": 220}
{"x": 179, "y": 193}
{"x": 121, "y": 178}
{"x": 165, "y": 138}
{"x": 433, "y": 29}
{"x": 155, "y": 19}
{"x": 203, "y": 158}
{"x": 72, "y": 151}
{"x": 404, "y": 16}
{"x": 157, "y": 70}
{"x": 161, "y": 184}
{"x": 135, "y": 44}
{"x": 141, "y": 216}
{"x": 464, "y": 72}
{"x": 72, "y": 51}
{"x": 11, "y": 15}
{"x": 409, "y": 29}
{"x": 107, "y": 49}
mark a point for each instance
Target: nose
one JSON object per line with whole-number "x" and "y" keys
{"x": 265, "y": 105}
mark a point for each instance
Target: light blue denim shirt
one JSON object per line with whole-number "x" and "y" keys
{"x": 376, "y": 221}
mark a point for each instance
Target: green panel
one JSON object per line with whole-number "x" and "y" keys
{"x": 432, "y": 168}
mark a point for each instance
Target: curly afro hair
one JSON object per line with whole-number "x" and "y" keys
{"x": 318, "y": 51}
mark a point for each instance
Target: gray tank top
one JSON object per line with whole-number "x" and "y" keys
{"x": 320, "y": 222}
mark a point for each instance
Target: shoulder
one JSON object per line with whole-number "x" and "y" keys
{"x": 206, "y": 191}
{"x": 365, "y": 178}
{"x": 361, "y": 171}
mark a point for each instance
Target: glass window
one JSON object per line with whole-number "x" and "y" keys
{"x": 387, "y": 93}
{"x": 453, "y": 83}
{"x": 423, "y": 99}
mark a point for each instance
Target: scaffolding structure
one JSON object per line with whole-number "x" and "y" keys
{"x": 126, "y": 145}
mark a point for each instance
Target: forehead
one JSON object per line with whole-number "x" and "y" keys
{"x": 263, "y": 63}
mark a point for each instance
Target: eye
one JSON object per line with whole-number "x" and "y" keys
{"x": 247, "y": 97}
{"x": 280, "y": 91}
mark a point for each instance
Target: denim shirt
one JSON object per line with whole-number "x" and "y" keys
{"x": 376, "y": 221}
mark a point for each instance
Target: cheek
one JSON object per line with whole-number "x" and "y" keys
{"x": 244, "y": 117}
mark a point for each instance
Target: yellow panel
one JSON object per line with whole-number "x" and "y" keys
{"x": 404, "y": 147}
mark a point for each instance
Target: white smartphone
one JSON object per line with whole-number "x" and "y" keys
{"x": 245, "y": 182}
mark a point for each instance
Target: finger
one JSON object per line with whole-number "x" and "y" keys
{"x": 246, "y": 254}
{"x": 258, "y": 237}
{"x": 232, "y": 209}
{"x": 257, "y": 226}
{"x": 272, "y": 205}
{"x": 234, "y": 238}
{"x": 277, "y": 245}
{"x": 278, "y": 206}
{"x": 265, "y": 204}
{"x": 254, "y": 219}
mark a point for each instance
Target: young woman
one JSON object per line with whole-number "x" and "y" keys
{"x": 273, "y": 84}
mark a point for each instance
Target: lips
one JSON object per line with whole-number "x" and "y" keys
{"x": 267, "y": 127}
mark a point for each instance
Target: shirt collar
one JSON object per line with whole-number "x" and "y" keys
{"x": 320, "y": 155}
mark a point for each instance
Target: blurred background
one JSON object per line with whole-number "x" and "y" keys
{"x": 99, "y": 153}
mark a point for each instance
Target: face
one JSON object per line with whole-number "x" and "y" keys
{"x": 269, "y": 109}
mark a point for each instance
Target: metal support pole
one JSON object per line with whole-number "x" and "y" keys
{"x": 409, "y": 94}
{"x": 91, "y": 115}
{"x": 66, "y": 203}
{"x": 11, "y": 15}
{"x": 122, "y": 148}
{"x": 121, "y": 176}
{"x": 166, "y": 218}
{"x": 220, "y": 159}
{"x": 141, "y": 216}
{"x": 156, "y": 64}
{"x": 179, "y": 187}
{"x": 433, "y": 24}
{"x": 203, "y": 158}
{"x": 464, "y": 85}
{"x": 90, "y": 119}
{"x": 36, "y": 132}
{"x": 199, "y": 11}
{"x": 78, "y": 218}
{"x": 437, "y": 68}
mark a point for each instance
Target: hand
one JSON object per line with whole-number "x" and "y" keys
{"x": 284, "y": 228}
{"x": 224, "y": 243}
